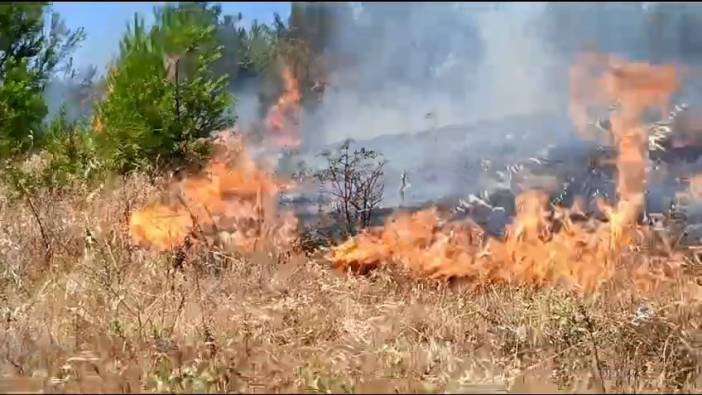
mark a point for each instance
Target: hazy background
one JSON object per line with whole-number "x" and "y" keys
{"x": 399, "y": 68}
{"x": 435, "y": 87}
{"x": 462, "y": 62}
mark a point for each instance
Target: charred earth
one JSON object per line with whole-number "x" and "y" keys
{"x": 445, "y": 169}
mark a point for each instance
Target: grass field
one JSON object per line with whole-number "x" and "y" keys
{"x": 84, "y": 311}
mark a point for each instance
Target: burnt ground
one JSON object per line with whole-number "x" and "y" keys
{"x": 495, "y": 160}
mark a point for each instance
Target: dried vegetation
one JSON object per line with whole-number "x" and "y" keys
{"x": 100, "y": 315}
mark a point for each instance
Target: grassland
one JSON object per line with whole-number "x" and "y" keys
{"x": 82, "y": 310}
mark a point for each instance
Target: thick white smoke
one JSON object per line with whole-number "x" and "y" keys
{"x": 442, "y": 64}
{"x": 515, "y": 74}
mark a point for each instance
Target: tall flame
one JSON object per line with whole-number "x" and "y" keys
{"x": 283, "y": 119}
{"x": 542, "y": 246}
{"x": 232, "y": 198}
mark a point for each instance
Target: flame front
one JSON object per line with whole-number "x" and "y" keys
{"x": 283, "y": 119}
{"x": 538, "y": 249}
{"x": 232, "y": 198}
{"x": 542, "y": 246}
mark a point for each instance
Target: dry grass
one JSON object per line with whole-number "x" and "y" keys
{"x": 101, "y": 316}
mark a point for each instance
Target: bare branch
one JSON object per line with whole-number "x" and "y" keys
{"x": 355, "y": 180}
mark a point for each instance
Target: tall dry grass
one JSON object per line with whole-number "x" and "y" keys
{"x": 95, "y": 314}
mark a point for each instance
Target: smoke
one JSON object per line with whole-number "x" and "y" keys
{"x": 466, "y": 82}
{"x": 246, "y": 104}
{"x": 514, "y": 75}
{"x": 68, "y": 94}
{"x": 55, "y": 96}
{"x": 422, "y": 66}
{"x": 437, "y": 68}
{"x": 418, "y": 66}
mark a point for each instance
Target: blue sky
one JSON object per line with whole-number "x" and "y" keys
{"x": 105, "y": 23}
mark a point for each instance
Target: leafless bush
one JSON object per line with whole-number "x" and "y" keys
{"x": 354, "y": 179}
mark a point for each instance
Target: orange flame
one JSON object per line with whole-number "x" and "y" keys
{"x": 283, "y": 119}
{"x": 542, "y": 246}
{"x": 534, "y": 251}
{"x": 233, "y": 199}
{"x": 696, "y": 186}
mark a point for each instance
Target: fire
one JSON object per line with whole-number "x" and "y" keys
{"x": 98, "y": 126}
{"x": 636, "y": 84}
{"x": 282, "y": 120}
{"x": 544, "y": 245}
{"x": 232, "y": 199}
{"x": 539, "y": 249}
{"x": 696, "y": 186}
{"x": 419, "y": 241}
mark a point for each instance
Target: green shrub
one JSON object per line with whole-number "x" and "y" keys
{"x": 162, "y": 97}
{"x": 67, "y": 159}
{"x": 28, "y": 57}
